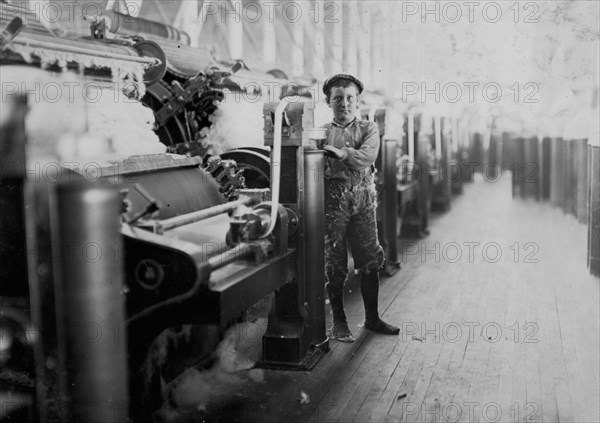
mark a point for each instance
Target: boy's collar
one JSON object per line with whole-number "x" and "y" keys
{"x": 346, "y": 125}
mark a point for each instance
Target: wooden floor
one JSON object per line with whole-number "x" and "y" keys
{"x": 499, "y": 322}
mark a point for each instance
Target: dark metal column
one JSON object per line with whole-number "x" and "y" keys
{"x": 581, "y": 174}
{"x": 446, "y": 182}
{"x": 390, "y": 211}
{"x": 90, "y": 293}
{"x": 556, "y": 172}
{"x": 545, "y": 163}
{"x": 570, "y": 181}
{"x": 313, "y": 245}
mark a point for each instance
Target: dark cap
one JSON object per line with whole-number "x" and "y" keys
{"x": 330, "y": 82}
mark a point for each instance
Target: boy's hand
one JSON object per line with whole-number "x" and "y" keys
{"x": 336, "y": 153}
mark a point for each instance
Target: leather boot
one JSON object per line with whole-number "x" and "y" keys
{"x": 369, "y": 288}
{"x": 339, "y": 329}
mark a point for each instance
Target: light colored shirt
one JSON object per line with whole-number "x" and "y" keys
{"x": 360, "y": 141}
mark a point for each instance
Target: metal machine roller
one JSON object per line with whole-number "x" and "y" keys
{"x": 129, "y": 26}
{"x": 163, "y": 179}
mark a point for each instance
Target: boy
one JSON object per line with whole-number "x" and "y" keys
{"x": 350, "y": 201}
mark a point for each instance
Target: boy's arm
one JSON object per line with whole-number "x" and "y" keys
{"x": 363, "y": 157}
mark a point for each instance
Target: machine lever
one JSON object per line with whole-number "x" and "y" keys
{"x": 150, "y": 208}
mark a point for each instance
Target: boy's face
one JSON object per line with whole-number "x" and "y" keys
{"x": 344, "y": 103}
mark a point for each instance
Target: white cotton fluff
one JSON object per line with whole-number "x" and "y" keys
{"x": 236, "y": 123}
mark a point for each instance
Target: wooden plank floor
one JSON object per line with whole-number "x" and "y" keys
{"x": 499, "y": 322}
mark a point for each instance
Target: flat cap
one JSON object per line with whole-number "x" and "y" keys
{"x": 330, "y": 82}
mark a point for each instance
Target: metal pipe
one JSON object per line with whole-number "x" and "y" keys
{"x": 94, "y": 306}
{"x": 313, "y": 245}
{"x": 186, "y": 219}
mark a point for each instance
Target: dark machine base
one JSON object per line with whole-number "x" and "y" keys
{"x": 308, "y": 362}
